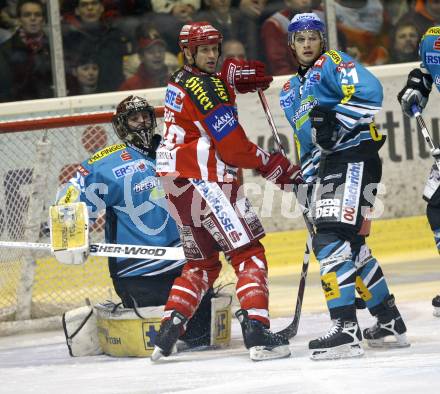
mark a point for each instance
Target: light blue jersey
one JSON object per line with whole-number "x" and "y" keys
{"x": 430, "y": 53}
{"x": 121, "y": 180}
{"x": 338, "y": 82}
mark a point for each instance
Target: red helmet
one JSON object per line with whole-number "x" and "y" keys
{"x": 198, "y": 33}
{"x": 183, "y": 37}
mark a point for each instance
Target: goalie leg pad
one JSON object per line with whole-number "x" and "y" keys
{"x": 80, "y": 330}
{"x": 125, "y": 332}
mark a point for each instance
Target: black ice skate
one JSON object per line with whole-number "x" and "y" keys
{"x": 343, "y": 340}
{"x": 436, "y": 305}
{"x": 262, "y": 343}
{"x": 389, "y": 330}
{"x": 169, "y": 332}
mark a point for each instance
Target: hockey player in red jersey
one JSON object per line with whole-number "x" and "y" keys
{"x": 203, "y": 147}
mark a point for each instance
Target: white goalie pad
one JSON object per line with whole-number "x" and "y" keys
{"x": 81, "y": 332}
{"x": 69, "y": 232}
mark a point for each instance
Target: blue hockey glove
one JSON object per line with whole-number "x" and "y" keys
{"x": 324, "y": 127}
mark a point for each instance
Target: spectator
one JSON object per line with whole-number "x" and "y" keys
{"x": 425, "y": 14}
{"x": 25, "y": 65}
{"x": 224, "y": 18}
{"x": 170, "y": 17}
{"x": 365, "y": 27}
{"x": 233, "y": 49}
{"x": 107, "y": 42}
{"x": 274, "y": 37}
{"x": 254, "y": 12}
{"x": 171, "y": 62}
{"x": 8, "y": 19}
{"x": 182, "y": 10}
{"x": 85, "y": 75}
{"x": 152, "y": 72}
{"x": 404, "y": 43}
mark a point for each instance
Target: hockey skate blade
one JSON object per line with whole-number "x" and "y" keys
{"x": 399, "y": 342}
{"x": 262, "y": 353}
{"x": 436, "y": 311}
{"x": 157, "y": 354}
{"x": 343, "y": 351}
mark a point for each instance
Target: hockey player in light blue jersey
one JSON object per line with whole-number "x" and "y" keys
{"x": 416, "y": 91}
{"x": 121, "y": 179}
{"x": 330, "y": 104}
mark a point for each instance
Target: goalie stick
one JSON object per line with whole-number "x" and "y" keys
{"x": 422, "y": 126}
{"x": 291, "y": 330}
{"x": 110, "y": 250}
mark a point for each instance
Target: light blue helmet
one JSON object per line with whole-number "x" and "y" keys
{"x": 305, "y": 21}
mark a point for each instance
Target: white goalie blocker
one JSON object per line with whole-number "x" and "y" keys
{"x": 69, "y": 232}
{"x": 111, "y": 329}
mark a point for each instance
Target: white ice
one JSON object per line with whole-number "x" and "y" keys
{"x": 39, "y": 363}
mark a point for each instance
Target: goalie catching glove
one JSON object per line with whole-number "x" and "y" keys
{"x": 69, "y": 232}
{"x": 416, "y": 91}
{"x": 281, "y": 171}
{"x": 245, "y": 75}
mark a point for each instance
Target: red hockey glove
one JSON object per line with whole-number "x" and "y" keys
{"x": 245, "y": 75}
{"x": 281, "y": 171}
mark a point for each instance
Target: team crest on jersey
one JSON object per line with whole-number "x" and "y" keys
{"x": 436, "y": 45}
{"x": 174, "y": 98}
{"x": 286, "y": 86}
{"x": 221, "y": 122}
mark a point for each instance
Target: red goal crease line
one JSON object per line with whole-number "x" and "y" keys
{"x": 55, "y": 122}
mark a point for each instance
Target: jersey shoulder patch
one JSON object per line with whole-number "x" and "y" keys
{"x": 107, "y": 151}
{"x": 335, "y": 56}
{"x": 432, "y": 31}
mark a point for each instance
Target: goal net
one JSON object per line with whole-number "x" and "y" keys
{"x": 38, "y": 155}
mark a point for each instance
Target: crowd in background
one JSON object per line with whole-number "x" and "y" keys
{"x": 114, "y": 45}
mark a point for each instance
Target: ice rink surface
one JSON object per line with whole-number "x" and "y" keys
{"x": 40, "y": 363}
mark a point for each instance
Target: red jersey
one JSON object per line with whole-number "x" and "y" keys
{"x": 202, "y": 136}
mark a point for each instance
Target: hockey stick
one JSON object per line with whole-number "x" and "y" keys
{"x": 291, "y": 330}
{"x": 422, "y": 125}
{"x": 110, "y": 250}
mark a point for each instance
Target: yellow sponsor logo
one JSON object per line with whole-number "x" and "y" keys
{"x": 433, "y": 31}
{"x": 348, "y": 91}
{"x": 220, "y": 89}
{"x": 362, "y": 289}
{"x": 334, "y": 56}
{"x": 330, "y": 286}
{"x": 375, "y": 134}
{"x": 105, "y": 152}
{"x": 195, "y": 85}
